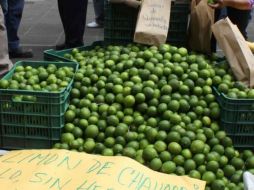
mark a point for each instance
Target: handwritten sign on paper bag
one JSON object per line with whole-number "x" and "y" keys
{"x": 153, "y": 22}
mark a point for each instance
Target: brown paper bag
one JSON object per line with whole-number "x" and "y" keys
{"x": 5, "y": 63}
{"x": 153, "y": 22}
{"x": 200, "y": 32}
{"x": 235, "y": 48}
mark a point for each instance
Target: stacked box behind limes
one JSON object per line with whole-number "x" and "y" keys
{"x": 120, "y": 23}
{"x": 32, "y": 124}
{"x": 237, "y": 119}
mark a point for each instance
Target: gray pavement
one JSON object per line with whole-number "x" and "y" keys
{"x": 41, "y": 27}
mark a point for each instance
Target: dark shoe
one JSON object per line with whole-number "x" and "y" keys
{"x": 68, "y": 46}
{"x": 61, "y": 46}
{"x": 20, "y": 53}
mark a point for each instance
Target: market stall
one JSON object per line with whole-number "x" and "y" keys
{"x": 165, "y": 107}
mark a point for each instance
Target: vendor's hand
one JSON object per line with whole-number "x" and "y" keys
{"x": 251, "y": 46}
{"x": 218, "y": 4}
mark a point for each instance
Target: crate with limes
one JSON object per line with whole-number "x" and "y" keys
{"x": 236, "y": 102}
{"x": 237, "y": 118}
{"x": 67, "y": 55}
{"x": 33, "y": 99}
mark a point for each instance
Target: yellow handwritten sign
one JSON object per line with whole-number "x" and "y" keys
{"x": 65, "y": 170}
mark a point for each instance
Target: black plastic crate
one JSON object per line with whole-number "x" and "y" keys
{"x": 237, "y": 119}
{"x": 120, "y": 23}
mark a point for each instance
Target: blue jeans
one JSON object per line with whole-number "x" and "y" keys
{"x": 4, "y": 5}
{"x": 13, "y": 13}
{"x": 238, "y": 17}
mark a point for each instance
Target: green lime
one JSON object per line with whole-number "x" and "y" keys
{"x": 168, "y": 167}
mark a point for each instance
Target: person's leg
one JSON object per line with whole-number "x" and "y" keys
{"x": 77, "y": 23}
{"x": 4, "y": 5}
{"x": 13, "y": 19}
{"x": 217, "y": 16}
{"x": 223, "y": 13}
{"x": 73, "y": 16}
{"x": 62, "y": 8}
{"x": 99, "y": 14}
{"x": 99, "y": 11}
{"x": 240, "y": 18}
{"x": 62, "y": 4}
{"x": 5, "y": 63}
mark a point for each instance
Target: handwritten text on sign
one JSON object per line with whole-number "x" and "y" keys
{"x": 65, "y": 170}
{"x": 153, "y": 17}
{"x": 153, "y": 22}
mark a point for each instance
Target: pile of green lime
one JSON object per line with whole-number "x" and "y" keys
{"x": 48, "y": 78}
{"x": 154, "y": 105}
{"x": 227, "y": 84}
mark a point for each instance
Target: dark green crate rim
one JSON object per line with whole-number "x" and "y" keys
{"x": 44, "y": 143}
{"x": 59, "y": 55}
{"x": 233, "y": 100}
{"x": 225, "y": 102}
